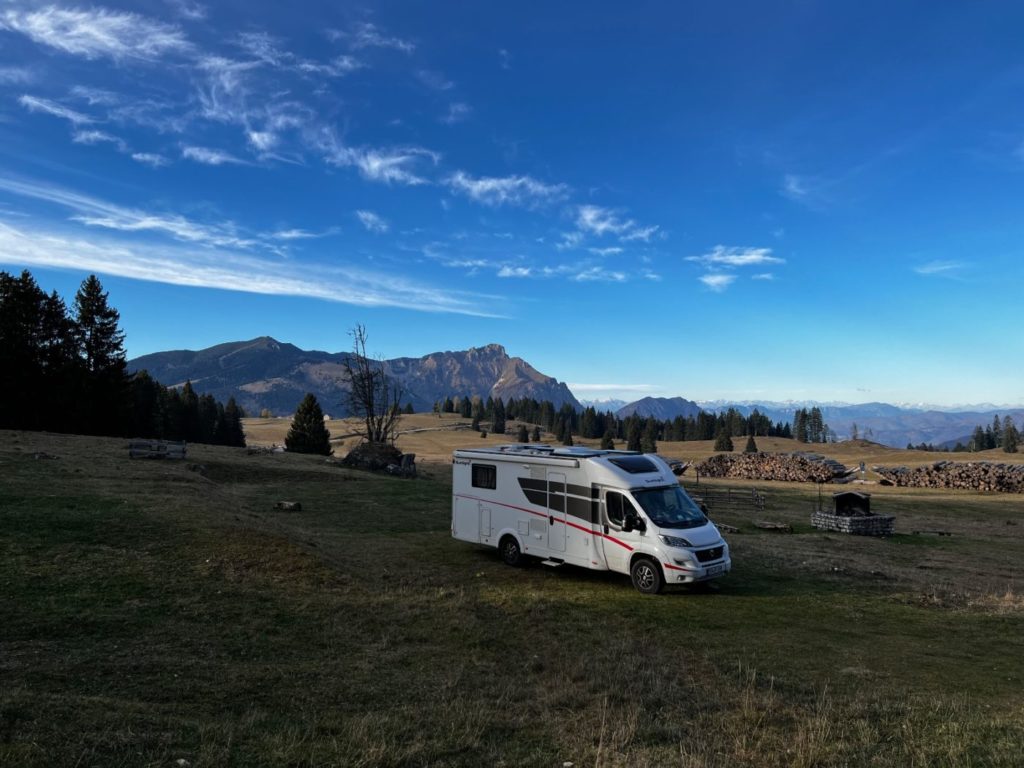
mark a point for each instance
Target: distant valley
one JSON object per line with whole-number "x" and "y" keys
{"x": 264, "y": 373}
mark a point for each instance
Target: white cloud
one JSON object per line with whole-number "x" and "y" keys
{"x": 732, "y": 256}
{"x": 599, "y": 274}
{"x": 640, "y": 233}
{"x": 940, "y": 268}
{"x": 389, "y": 166}
{"x": 98, "y": 137}
{"x": 599, "y": 221}
{"x": 16, "y": 75}
{"x": 569, "y": 241}
{"x": 504, "y": 58}
{"x": 434, "y": 80}
{"x": 717, "y": 282}
{"x": 457, "y": 112}
{"x": 652, "y": 276}
{"x": 210, "y": 156}
{"x": 227, "y": 270}
{"x": 763, "y": 276}
{"x": 506, "y": 190}
{"x": 612, "y": 251}
{"x": 515, "y": 272}
{"x": 94, "y": 212}
{"x": 299, "y": 234}
{"x": 93, "y": 96}
{"x": 188, "y": 10}
{"x": 34, "y": 104}
{"x": 97, "y": 32}
{"x": 373, "y": 222}
{"x": 366, "y": 35}
{"x": 150, "y": 159}
{"x": 794, "y": 187}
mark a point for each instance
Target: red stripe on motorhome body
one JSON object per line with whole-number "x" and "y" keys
{"x": 676, "y": 567}
{"x": 591, "y": 531}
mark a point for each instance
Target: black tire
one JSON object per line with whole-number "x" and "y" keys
{"x": 510, "y": 553}
{"x": 646, "y": 575}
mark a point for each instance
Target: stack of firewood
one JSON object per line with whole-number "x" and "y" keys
{"x": 975, "y": 476}
{"x": 792, "y": 467}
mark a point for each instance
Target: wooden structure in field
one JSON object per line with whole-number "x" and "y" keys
{"x": 156, "y": 449}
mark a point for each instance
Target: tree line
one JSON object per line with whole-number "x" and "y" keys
{"x": 64, "y": 370}
{"x": 639, "y": 432}
{"x": 1002, "y": 433}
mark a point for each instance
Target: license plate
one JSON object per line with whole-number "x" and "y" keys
{"x": 715, "y": 569}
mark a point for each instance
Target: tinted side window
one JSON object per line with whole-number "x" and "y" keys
{"x": 485, "y": 476}
{"x": 613, "y": 504}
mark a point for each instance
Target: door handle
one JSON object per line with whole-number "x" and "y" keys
{"x": 551, "y": 519}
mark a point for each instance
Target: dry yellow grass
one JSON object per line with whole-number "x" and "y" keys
{"x": 433, "y": 437}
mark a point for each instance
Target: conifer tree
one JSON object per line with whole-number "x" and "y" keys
{"x": 1011, "y": 436}
{"x": 567, "y": 440}
{"x": 498, "y": 422}
{"x": 751, "y": 446}
{"x": 536, "y": 434}
{"x": 723, "y": 441}
{"x": 101, "y": 345}
{"x": 308, "y": 433}
{"x": 633, "y": 435}
{"x": 522, "y": 436}
{"x": 648, "y": 439}
{"x": 608, "y": 441}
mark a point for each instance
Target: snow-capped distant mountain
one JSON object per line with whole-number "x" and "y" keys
{"x": 610, "y": 404}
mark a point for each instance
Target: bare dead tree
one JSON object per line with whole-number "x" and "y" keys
{"x": 373, "y": 396}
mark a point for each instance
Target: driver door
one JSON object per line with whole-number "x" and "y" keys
{"x": 618, "y": 544}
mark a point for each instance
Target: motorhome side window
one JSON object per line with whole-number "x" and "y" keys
{"x": 485, "y": 476}
{"x": 613, "y": 502}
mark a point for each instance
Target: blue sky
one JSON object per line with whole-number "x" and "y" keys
{"x": 746, "y": 200}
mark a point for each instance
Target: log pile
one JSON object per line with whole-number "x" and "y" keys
{"x": 974, "y": 476}
{"x": 791, "y": 467}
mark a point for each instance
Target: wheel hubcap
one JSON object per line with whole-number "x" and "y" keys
{"x": 644, "y": 576}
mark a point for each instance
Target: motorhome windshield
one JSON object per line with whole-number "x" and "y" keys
{"x": 670, "y": 507}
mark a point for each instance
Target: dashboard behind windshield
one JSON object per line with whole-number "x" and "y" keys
{"x": 670, "y": 507}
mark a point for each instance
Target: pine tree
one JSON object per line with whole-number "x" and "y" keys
{"x": 536, "y": 434}
{"x": 751, "y": 446}
{"x": 522, "y": 436}
{"x": 230, "y": 425}
{"x": 308, "y": 433}
{"x": 723, "y": 441}
{"x": 608, "y": 441}
{"x": 409, "y": 409}
{"x": 648, "y": 439}
{"x": 1011, "y": 436}
{"x": 498, "y": 422}
{"x": 567, "y": 439}
{"x": 101, "y": 346}
{"x": 633, "y": 435}
{"x": 800, "y": 425}
{"x": 977, "y": 439}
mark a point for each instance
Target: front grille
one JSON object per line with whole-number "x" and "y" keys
{"x": 707, "y": 555}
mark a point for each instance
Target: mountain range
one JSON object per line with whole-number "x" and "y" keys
{"x": 264, "y": 373}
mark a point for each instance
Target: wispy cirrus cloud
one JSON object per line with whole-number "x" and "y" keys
{"x": 599, "y": 221}
{"x": 367, "y": 35}
{"x": 208, "y": 156}
{"x": 515, "y": 271}
{"x": 36, "y": 104}
{"x": 506, "y": 190}
{"x": 97, "y": 32}
{"x": 301, "y": 234}
{"x": 94, "y": 212}
{"x": 949, "y": 269}
{"x": 717, "y": 281}
{"x": 457, "y": 112}
{"x": 434, "y": 80}
{"x": 151, "y": 159}
{"x": 398, "y": 165}
{"x": 610, "y": 251}
{"x": 599, "y": 274}
{"x": 228, "y": 270}
{"x": 99, "y": 137}
{"x": 731, "y": 256}
{"x": 16, "y": 75}
{"x": 372, "y": 222}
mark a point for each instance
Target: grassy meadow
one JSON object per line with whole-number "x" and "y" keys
{"x": 159, "y": 612}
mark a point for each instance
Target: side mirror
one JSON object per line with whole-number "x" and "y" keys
{"x": 633, "y": 522}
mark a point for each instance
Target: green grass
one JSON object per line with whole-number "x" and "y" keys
{"x": 150, "y": 613}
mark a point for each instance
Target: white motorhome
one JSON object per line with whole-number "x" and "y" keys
{"x": 605, "y": 510}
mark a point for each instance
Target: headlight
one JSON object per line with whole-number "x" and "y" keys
{"x": 675, "y": 541}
